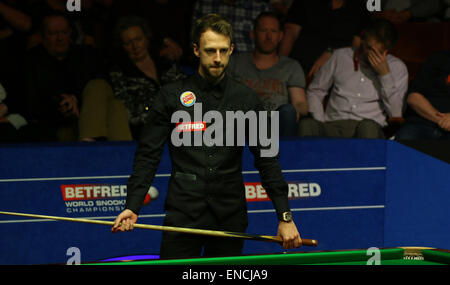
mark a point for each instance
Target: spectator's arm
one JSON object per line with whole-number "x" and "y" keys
{"x": 423, "y": 107}
{"x": 291, "y": 33}
{"x": 298, "y": 100}
{"x": 318, "y": 63}
{"x": 17, "y": 19}
{"x": 296, "y": 89}
{"x": 318, "y": 89}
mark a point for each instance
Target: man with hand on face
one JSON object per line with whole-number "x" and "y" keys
{"x": 206, "y": 189}
{"x": 368, "y": 85}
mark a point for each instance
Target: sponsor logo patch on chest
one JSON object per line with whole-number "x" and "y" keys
{"x": 187, "y": 98}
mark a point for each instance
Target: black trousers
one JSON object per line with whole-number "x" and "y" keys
{"x": 180, "y": 245}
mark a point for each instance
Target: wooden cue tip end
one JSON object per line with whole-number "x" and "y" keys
{"x": 311, "y": 242}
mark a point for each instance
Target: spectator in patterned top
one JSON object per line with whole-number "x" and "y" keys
{"x": 239, "y": 13}
{"x": 117, "y": 109}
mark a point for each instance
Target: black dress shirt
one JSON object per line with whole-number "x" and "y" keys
{"x": 202, "y": 176}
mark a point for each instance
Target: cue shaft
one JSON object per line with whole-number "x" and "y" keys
{"x": 307, "y": 242}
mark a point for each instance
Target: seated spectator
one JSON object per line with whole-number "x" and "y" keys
{"x": 9, "y": 122}
{"x": 400, "y": 11}
{"x": 428, "y": 112}
{"x": 117, "y": 109}
{"x": 84, "y": 23}
{"x": 314, "y": 28}
{"x": 239, "y": 13}
{"x": 368, "y": 85}
{"x": 169, "y": 21}
{"x": 279, "y": 80}
{"x": 56, "y": 72}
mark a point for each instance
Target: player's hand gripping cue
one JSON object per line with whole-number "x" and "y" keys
{"x": 290, "y": 235}
{"x": 125, "y": 221}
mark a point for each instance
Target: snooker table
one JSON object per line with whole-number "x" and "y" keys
{"x": 388, "y": 256}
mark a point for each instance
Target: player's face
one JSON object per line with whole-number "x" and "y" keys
{"x": 135, "y": 43}
{"x": 214, "y": 52}
{"x": 267, "y": 35}
{"x": 56, "y": 37}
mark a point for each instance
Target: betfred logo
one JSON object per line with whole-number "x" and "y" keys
{"x": 254, "y": 192}
{"x": 191, "y": 127}
{"x": 92, "y": 191}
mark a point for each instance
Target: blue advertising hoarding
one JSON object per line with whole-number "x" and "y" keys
{"x": 337, "y": 192}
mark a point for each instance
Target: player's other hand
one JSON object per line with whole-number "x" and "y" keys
{"x": 290, "y": 235}
{"x": 125, "y": 221}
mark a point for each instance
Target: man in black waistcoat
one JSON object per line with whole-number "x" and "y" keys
{"x": 206, "y": 189}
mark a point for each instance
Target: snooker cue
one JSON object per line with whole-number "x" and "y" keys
{"x": 307, "y": 242}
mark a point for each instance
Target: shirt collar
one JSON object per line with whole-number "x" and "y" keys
{"x": 205, "y": 85}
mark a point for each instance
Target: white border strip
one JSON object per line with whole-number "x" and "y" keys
{"x": 73, "y": 178}
{"x": 323, "y": 209}
{"x": 250, "y": 212}
{"x": 168, "y": 175}
{"x": 324, "y": 170}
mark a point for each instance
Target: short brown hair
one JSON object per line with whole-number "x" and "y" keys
{"x": 269, "y": 14}
{"x": 384, "y": 31}
{"x": 215, "y": 22}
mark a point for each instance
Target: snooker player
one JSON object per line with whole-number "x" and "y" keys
{"x": 206, "y": 188}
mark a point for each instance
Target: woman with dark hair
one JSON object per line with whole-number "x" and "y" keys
{"x": 116, "y": 109}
